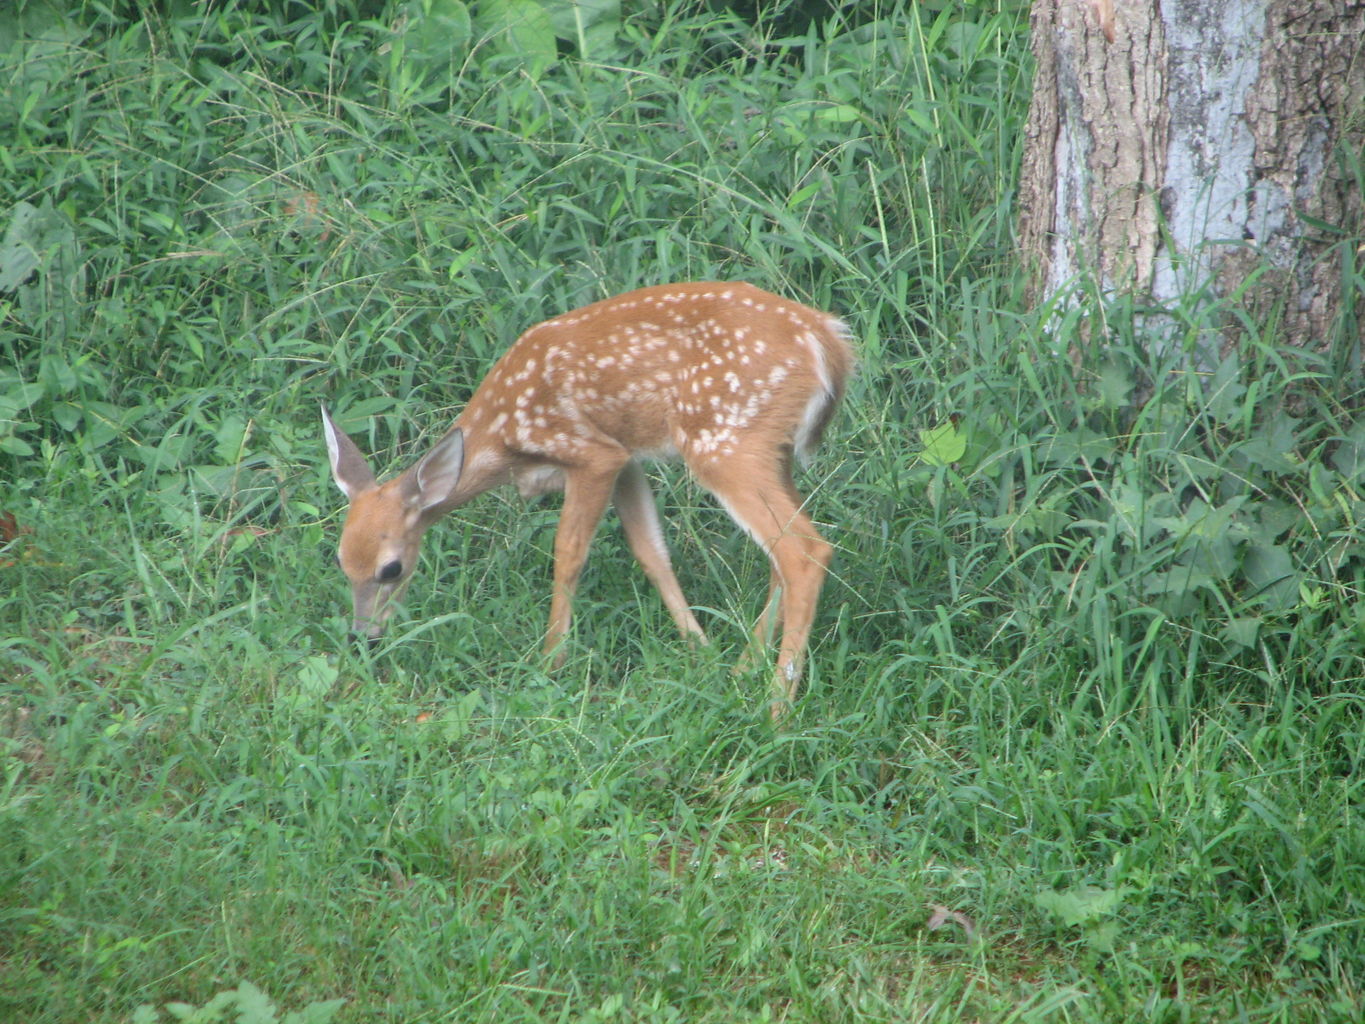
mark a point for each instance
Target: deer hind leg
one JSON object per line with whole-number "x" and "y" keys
{"x": 640, "y": 520}
{"x": 760, "y": 496}
{"x": 587, "y": 489}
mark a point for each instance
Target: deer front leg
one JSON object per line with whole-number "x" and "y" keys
{"x": 586, "y": 493}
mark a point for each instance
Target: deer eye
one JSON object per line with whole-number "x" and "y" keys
{"x": 391, "y": 571}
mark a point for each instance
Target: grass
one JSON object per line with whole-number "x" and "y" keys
{"x": 1083, "y": 733}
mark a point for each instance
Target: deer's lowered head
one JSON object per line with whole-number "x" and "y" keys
{"x": 382, "y": 534}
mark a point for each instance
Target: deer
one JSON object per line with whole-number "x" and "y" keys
{"x": 735, "y": 381}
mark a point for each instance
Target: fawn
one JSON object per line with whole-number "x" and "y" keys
{"x": 734, "y": 380}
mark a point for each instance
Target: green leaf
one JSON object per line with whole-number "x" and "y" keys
{"x": 1115, "y": 385}
{"x": 1349, "y": 457}
{"x": 1226, "y": 391}
{"x": 942, "y": 445}
{"x": 316, "y": 676}
{"x": 19, "y": 249}
{"x": 230, "y": 439}
{"x": 1081, "y": 905}
{"x": 1074, "y": 447}
{"x": 922, "y": 121}
{"x": 1181, "y": 580}
{"x": 437, "y": 31}
{"x": 838, "y": 113}
{"x": 1270, "y": 571}
{"x": 1309, "y": 951}
{"x": 11, "y": 445}
{"x": 315, "y": 1013}
{"x": 520, "y": 28}
{"x": 591, "y": 25}
{"x": 15, "y": 398}
{"x": 1270, "y": 448}
{"x": 254, "y": 1005}
{"x": 1242, "y": 631}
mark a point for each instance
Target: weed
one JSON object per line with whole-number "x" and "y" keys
{"x": 1086, "y": 676}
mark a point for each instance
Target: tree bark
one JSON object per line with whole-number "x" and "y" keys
{"x": 1180, "y": 145}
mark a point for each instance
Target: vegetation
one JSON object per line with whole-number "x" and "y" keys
{"x": 1084, "y": 734}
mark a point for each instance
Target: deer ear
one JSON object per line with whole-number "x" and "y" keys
{"x": 438, "y": 473}
{"x": 349, "y": 468}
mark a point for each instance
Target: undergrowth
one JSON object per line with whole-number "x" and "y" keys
{"x": 1082, "y": 736}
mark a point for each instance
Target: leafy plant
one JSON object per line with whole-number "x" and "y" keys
{"x": 1087, "y": 670}
{"x": 247, "y": 1004}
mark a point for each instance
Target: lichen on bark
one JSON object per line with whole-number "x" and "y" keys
{"x": 1175, "y": 146}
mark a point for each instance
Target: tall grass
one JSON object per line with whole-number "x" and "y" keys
{"x": 1082, "y": 737}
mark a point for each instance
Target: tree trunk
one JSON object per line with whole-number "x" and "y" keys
{"x": 1174, "y": 145}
